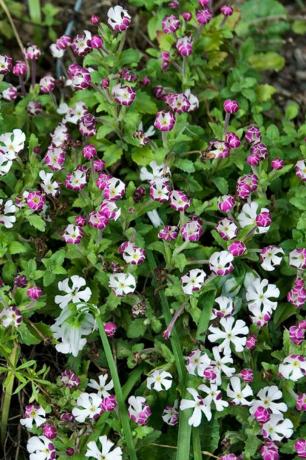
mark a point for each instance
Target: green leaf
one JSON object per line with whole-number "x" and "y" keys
{"x": 37, "y": 222}
{"x": 206, "y": 302}
{"x": 299, "y": 26}
{"x": 112, "y": 154}
{"x": 292, "y": 110}
{"x": 17, "y": 248}
{"x": 26, "y": 336}
{"x": 267, "y": 61}
{"x": 265, "y": 92}
{"x": 185, "y": 165}
{"x": 136, "y": 329}
{"x": 144, "y": 104}
{"x": 221, "y": 184}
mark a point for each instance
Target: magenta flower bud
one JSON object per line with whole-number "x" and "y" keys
{"x": 63, "y": 42}
{"x": 259, "y": 149}
{"x": 95, "y": 20}
{"x": 89, "y": 151}
{"x": 301, "y": 402}
{"x": 253, "y": 134}
{"x": 20, "y": 281}
{"x": 264, "y": 219}
{"x": 247, "y": 375}
{"x": 246, "y": 185}
{"x": 10, "y": 93}
{"x": 36, "y": 201}
{"x": 69, "y": 451}
{"x": 145, "y": 81}
{"x": 6, "y": 63}
{"x": 47, "y": 84}
{"x": 226, "y": 10}
{"x": 20, "y": 69}
{"x": 69, "y": 379}
{"x": 184, "y": 46}
{"x": 262, "y": 415}
{"x": 269, "y": 451}
{"x": 49, "y": 431}
{"x": 251, "y": 342}
{"x": 79, "y": 76}
{"x": 232, "y": 140}
{"x": 34, "y": 108}
{"x": 139, "y": 194}
{"x": 297, "y": 295}
{"x": 187, "y": 16}
{"x": 228, "y": 457}
{"x": 165, "y": 58}
{"x": 231, "y": 106}
{"x": 164, "y": 121}
{"x": 204, "y": 16}
{"x": 174, "y": 4}
{"x": 96, "y": 42}
{"x": 80, "y": 221}
{"x": 300, "y": 448}
{"x": 204, "y": 3}
{"x": 170, "y": 24}
{"x": 109, "y": 403}
{"x": 253, "y": 160}
{"x": 32, "y": 53}
{"x": 296, "y": 335}
{"x": 98, "y": 165}
{"x": 110, "y": 329}
{"x": 105, "y": 83}
{"x": 168, "y": 233}
{"x": 226, "y": 203}
{"x": 210, "y": 374}
{"x": 237, "y": 248}
{"x": 277, "y": 163}
{"x": 159, "y": 92}
{"x": 66, "y": 417}
{"x": 34, "y": 293}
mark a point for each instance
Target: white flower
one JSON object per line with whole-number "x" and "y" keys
{"x": 10, "y": 144}
{"x": 7, "y": 213}
{"x": 62, "y": 108}
{"x": 225, "y": 307}
{"x": 40, "y": 448}
{"x": 74, "y": 114}
{"x": 102, "y": 387}
{"x": 33, "y": 414}
{"x": 159, "y": 380}
{"x": 170, "y": 414}
{"x": 155, "y": 172}
{"x": 220, "y": 263}
{"x": 197, "y": 362}
{"x": 270, "y": 257}
{"x": 248, "y": 216}
{"x": 122, "y": 283}
{"x": 154, "y": 218}
{"x": 70, "y": 327}
{"x": 193, "y": 280}
{"x": 88, "y": 406}
{"x": 116, "y": 17}
{"x": 213, "y": 395}
{"x": 234, "y": 332}
{"x": 297, "y": 258}
{"x": 198, "y": 405}
{"x": 56, "y": 52}
{"x": 238, "y": 394}
{"x": 278, "y": 428}
{"x": 267, "y": 397}
{"x": 106, "y": 452}
{"x": 258, "y": 293}
{"x": 192, "y": 99}
{"x": 293, "y": 367}
{"x": 49, "y": 187}
{"x": 74, "y": 294}
{"x": 220, "y": 365}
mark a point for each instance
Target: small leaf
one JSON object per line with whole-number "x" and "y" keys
{"x": 267, "y": 61}
{"x": 206, "y": 302}
{"x": 37, "y": 222}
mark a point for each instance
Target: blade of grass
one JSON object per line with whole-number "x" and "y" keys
{"x": 36, "y": 16}
{"x": 8, "y": 391}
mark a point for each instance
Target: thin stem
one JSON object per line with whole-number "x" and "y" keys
{"x": 33, "y": 73}
{"x": 226, "y": 123}
{"x": 196, "y": 441}
{"x": 8, "y": 391}
{"x": 17, "y": 36}
{"x": 122, "y": 42}
{"x": 123, "y": 415}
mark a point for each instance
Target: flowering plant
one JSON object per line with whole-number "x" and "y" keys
{"x": 152, "y": 223}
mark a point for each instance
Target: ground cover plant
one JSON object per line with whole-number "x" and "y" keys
{"x": 152, "y": 232}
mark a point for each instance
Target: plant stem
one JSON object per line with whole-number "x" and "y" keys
{"x": 8, "y": 391}
{"x": 123, "y": 415}
{"x": 196, "y": 441}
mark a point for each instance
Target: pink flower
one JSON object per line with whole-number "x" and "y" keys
{"x": 96, "y": 42}
{"x": 10, "y": 93}
{"x": 160, "y": 189}
{"x": 73, "y": 234}
{"x": 123, "y": 95}
{"x": 164, "y": 121}
{"x": 192, "y": 230}
{"x": 184, "y": 46}
{"x": 94, "y": 20}
{"x": 297, "y": 295}
{"x": 204, "y": 16}
{"x": 300, "y": 170}
{"x": 34, "y": 292}
{"x": 81, "y": 44}
{"x": 301, "y": 402}
{"x": 300, "y": 448}
{"x": 118, "y": 18}
{"x": 79, "y": 76}
{"x": 32, "y": 53}
{"x": 179, "y": 201}
{"x": 226, "y": 10}
{"x": 20, "y": 69}
{"x": 69, "y": 379}
{"x": 269, "y": 451}
{"x": 98, "y": 165}
{"x": 36, "y": 201}
{"x": 47, "y": 84}
{"x": 97, "y": 220}
{"x": 186, "y": 16}
{"x": 231, "y": 106}
{"x": 109, "y": 403}
{"x": 217, "y": 149}
{"x": 49, "y": 431}
{"x": 110, "y": 328}
{"x": 165, "y": 58}
{"x": 264, "y": 219}
{"x": 170, "y": 24}
{"x": 251, "y": 342}
{"x": 232, "y": 140}
{"x": 89, "y": 151}
{"x": 253, "y": 134}
{"x": 227, "y": 228}
{"x": 247, "y": 375}
{"x": 210, "y": 374}
{"x": 6, "y": 63}
{"x": 296, "y": 335}
{"x": 168, "y": 233}
{"x": 237, "y": 248}
{"x": 226, "y": 203}
{"x": 55, "y": 158}
{"x": 262, "y": 415}
{"x": 63, "y": 42}
{"x": 179, "y": 103}
{"x": 260, "y": 150}
{"x": 246, "y": 185}
{"x": 277, "y": 163}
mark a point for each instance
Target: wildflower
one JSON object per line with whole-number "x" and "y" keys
{"x": 204, "y": 16}
{"x": 269, "y": 451}
{"x": 69, "y": 379}
{"x": 55, "y": 158}
{"x": 259, "y": 292}
{"x": 260, "y": 150}
{"x": 277, "y": 428}
{"x": 118, "y": 18}
{"x": 114, "y": 189}
{"x": 160, "y": 190}
{"x": 164, "y": 121}
{"x": 102, "y": 387}
{"x": 238, "y": 394}
{"x": 226, "y": 10}
{"x": 217, "y": 149}
{"x": 300, "y": 448}
{"x": 10, "y": 93}
{"x": 81, "y": 44}
{"x": 199, "y": 406}
{"x": 247, "y": 375}
{"x": 33, "y": 414}
{"x": 122, "y": 283}
{"x": 225, "y": 307}
{"x": 49, "y": 187}
{"x": 277, "y": 163}
{"x": 197, "y": 362}
{"x": 231, "y": 332}
{"x": 301, "y": 402}
{"x": 159, "y": 380}
{"x": 32, "y": 53}
{"x": 296, "y": 334}
{"x": 293, "y": 367}
{"x": 73, "y": 234}
{"x": 138, "y": 410}
{"x": 123, "y": 95}
{"x": 226, "y": 203}
{"x": 34, "y": 292}
{"x": 297, "y": 258}
{"x": 131, "y": 253}
{"x": 110, "y": 328}
{"x": 213, "y": 395}
{"x": 6, "y": 63}
{"x": 35, "y": 200}
{"x": 76, "y": 180}
{"x": 249, "y": 214}
{"x": 170, "y": 414}
{"x": 40, "y": 448}
{"x": 78, "y": 77}
{"x": 170, "y": 24}
{"x": 270, "y": 257}
{"x": 47, "y": 84}
{"x": 220, "y": 365}
{"x": 246, "y": 185}
{"x": 49, "y": 431}
{"x": 7, "y": 213}
{"x": 10, "y": 144}
{"x": 267, "y": 398}
{"x": 227, "y": 229}
{"x": 34, "y": 108}
{"x": 297, "y": 295}
{"x": 184, "y": 46}
{"x": 232, "y": 140}
{"x": 155, "y": 171}
{"x": 177, "y": 102}
{"x": 88, "y": 406}
{"x": 20, "y": 68}
{"x": 237, "y": 248}
{"x": 192, "y": 230}
{"x": 73, "y": 291}
{"x": 106, "y": 452}
{"x": 261, "y": 414}
{"x": 193, "y": 281}
{"x": 300, "y": 170}
{"x": 231, "y": 106}
{"x": 144, "y": 136}
{"x": 108, "y": 404}
{"x": 251, "y": 342}
{"x": 220, "y": 263}
{"x": 168, "y": 233}
{"x": 10, "y": 316}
